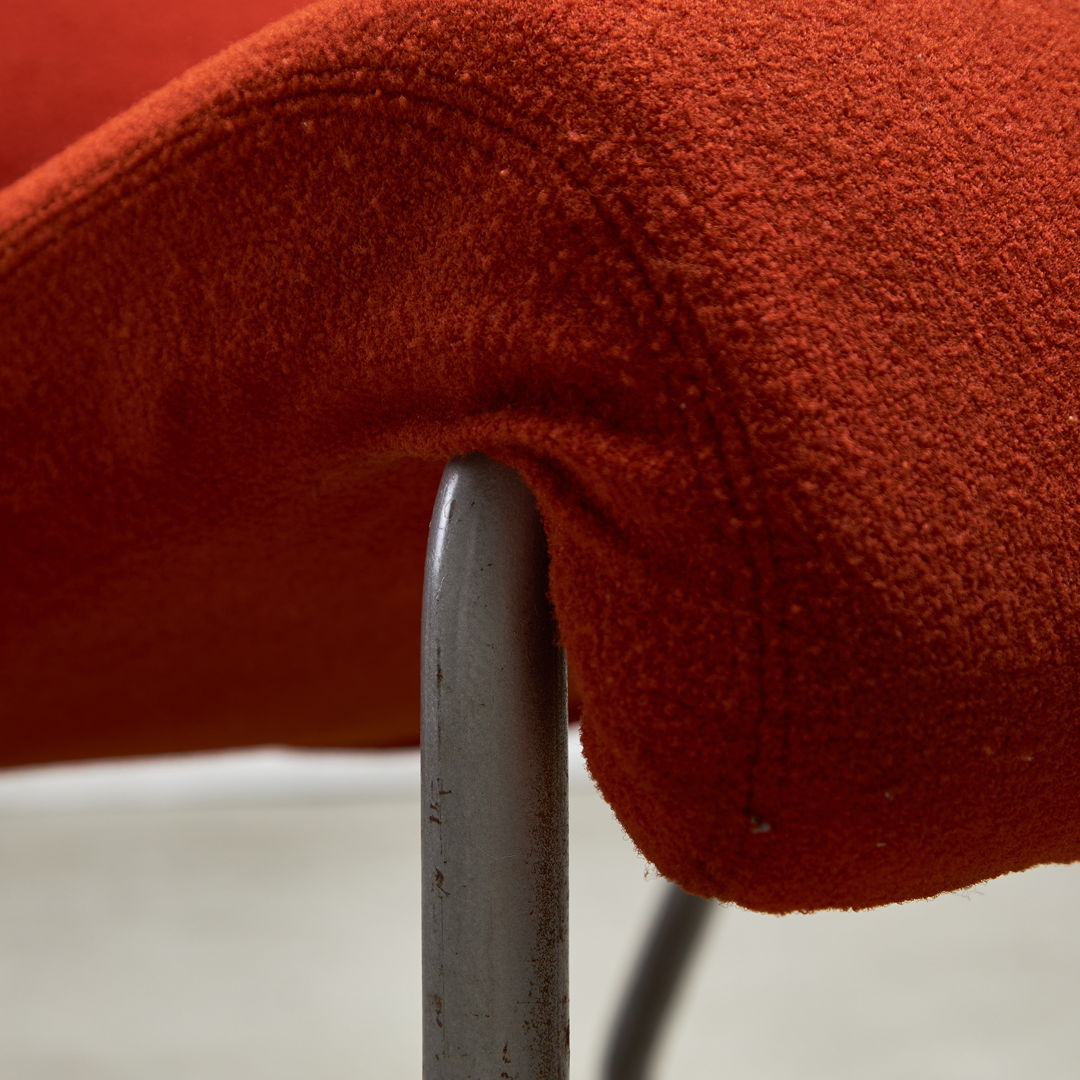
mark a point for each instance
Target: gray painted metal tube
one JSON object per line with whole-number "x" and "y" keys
{"x": 654, "y": 986}
{"x": 494, "y": 781}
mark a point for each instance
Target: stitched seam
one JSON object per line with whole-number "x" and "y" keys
{"x": 142, "y": 160}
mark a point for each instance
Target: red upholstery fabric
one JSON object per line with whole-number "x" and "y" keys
{"x": 66, "y": 66}
{"x": 774, "y": 306}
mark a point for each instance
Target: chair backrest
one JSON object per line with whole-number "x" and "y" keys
{"x": 66, "y": 67}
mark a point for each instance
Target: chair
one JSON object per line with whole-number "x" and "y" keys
{"x": 774, "y": 310}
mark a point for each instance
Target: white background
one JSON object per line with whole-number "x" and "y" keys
{"x": 257, "y": 915}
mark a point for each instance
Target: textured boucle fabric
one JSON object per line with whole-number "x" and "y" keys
{"x": 776, "y": 307}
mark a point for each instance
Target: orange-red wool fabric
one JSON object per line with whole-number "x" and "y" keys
{"x": 776, "y": 307}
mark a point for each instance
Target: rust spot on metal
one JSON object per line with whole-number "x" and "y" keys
{"x": 439, "y": 882}
{"x": 434, "y": 820}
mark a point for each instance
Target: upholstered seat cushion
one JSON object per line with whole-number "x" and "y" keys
{"x": 774, "y": 306}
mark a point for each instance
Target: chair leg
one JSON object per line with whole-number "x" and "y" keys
{"x": 654, "y": 984}
{"x": 494, "y": 783}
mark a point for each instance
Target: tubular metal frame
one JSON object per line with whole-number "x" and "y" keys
{"x": 494, "y": 823}
{"x": 655, "y": 983}
{"x": 494, "y": 827}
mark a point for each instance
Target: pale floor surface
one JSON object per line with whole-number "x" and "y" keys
{"x": 278, "y": 940}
